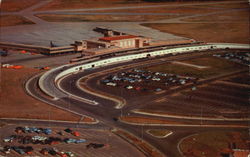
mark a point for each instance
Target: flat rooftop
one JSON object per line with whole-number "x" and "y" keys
{"x": 117, "y": 38}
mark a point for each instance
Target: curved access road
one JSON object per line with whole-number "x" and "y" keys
{"x": 105, "y": 112}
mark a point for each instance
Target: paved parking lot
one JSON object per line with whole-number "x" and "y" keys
{"x": 113, "y": 145}
{"x": 146, "y": 81}
{"x": 211, "y": 100}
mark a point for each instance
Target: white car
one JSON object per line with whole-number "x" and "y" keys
{"x": 129, "y": 87}
{"x": 111, "y": 84}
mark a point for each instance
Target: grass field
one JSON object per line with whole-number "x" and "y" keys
{"x": 227, "y": 6}
{"x": 230, "y": 27}
{"x": 212, "y": 143}
{"x": 102, "y": 18}
{"x": 145, "y": 120}
{"x": 168, "y": 9}
{"x": 74, "y": 4}
{"x": 208, "y": 32}
{"x": 241, "y": 16}
{"x": 16, "y": 5}
{"x": 15, "y": 103}
{"x": 13, "y": 20}
{"x": 215, "y": 66}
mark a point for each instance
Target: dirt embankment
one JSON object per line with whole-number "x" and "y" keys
{"x": 15, "y": 103}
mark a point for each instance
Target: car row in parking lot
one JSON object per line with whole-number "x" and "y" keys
{"x": 29, "y": 150}
{"x": 40, "y": 140}
{"x": 143, "y": 80}
{"x": 239, "y": 57}
{"x": 29, "y": 136}
{"x": 27, "y": 129}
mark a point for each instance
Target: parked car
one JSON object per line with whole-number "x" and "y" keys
{"x": 129, "y": 87}
{"x": 19, "y": 130}
{"x": 69, "y": 154}
{"x": 9, "y": 139}
{"x": 95, "y": 145}
{"x": 68, "y": 130}
{"x": 44, "y": 151}
{"x": 18, "y": 150}
{"x": 47, "y": 131}
{"x": 75, "y": 133}
{"x": 61, "y": 154}
{"x": 52, "y": 152}
{"x": 69, "y": 140}
{"x": 80, "y": 141}
{"x": 6, "y": 149}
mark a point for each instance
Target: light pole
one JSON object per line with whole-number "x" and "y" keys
{"x": 201, "y": 113}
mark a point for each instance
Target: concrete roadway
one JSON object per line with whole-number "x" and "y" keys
{"x": 105, "y": 112}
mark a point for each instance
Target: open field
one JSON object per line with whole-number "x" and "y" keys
{"x": 226, "y": 6}
{"x": 231, "y": 27}
{"x": 145, "y": 120}
{"x": 215, "y": 66}
{"x": 13, "y": 20}
{"x": 113, "y": 145}
{"x": 168, "y": 9}
{"x": 241, "y": 16}
{"x": 213, "y": 143}
{"x": 15, "y": 103}
{"x": 208, "y": 32}
{"x": 69, "y": 4}
{"x": 102, "y": 18}
{"x": 16, "y": 5}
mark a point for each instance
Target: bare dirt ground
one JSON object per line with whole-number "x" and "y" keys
{"x": 13, "y": 20}
{"x": 15, "y": 103}
{"x": 241, "y": 16}
{"x": 145, "y": 120}
{"x": 166, "y": 9}
{"x": 102, "y": 18}
{"x": 76, "y": 4}
{"x": 208, "y": 32}
{"x": 228, "y": 5}
{"x": 231, "y": 27}
{"x": 16, "y": 5}
{"x": 213, "y": 143}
